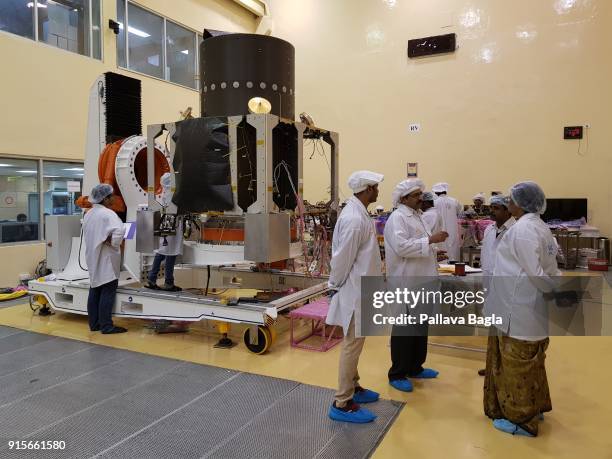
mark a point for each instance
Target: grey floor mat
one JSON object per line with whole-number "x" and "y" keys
{"x": 113, "y": 403}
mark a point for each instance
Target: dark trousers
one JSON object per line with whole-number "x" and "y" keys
{"x": 408, "y": 354}
{"x": 169, "y": 268}
{"x": 100, "y": 306}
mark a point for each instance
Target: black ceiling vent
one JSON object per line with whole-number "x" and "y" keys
{"x": 428, "y": 46}
{"x": 123, "y": 106}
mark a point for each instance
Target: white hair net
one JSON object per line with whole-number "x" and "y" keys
{"x": 500, "y": 200}
{"x": 99, "y": 192}
{"x": 428, "y": 196}
{"x": 480, "y": 197}
{"x": 379, "y": 208}
{"x": 360, "y": 180}
{"x": 405, "y": 187}
{"x": 529, "y": 197}
{"x": 441, "y": 187}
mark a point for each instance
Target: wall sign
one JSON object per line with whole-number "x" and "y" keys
{"x": 412, "y": 170}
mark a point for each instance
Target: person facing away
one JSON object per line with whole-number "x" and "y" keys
{"x": 102, "y": 233}
{"x": 449, "y": 209}
{"x": 355, "y": 253}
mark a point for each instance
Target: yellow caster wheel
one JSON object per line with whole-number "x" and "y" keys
{"x": 264, "y": 340}
{"x": 273, "y": 333}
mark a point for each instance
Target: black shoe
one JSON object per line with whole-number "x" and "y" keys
{"x": 151, "y": 286}
{"x": 481, "y": 372}
{"x": 114, "y": 330}
{"x": 96, "y": 328}
{"x": 171, "y": 288}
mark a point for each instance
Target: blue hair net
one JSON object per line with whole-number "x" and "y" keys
{"x": 529, "y": 197}
{"x": 99, "y": 192}
{"x": 500, "y": 200}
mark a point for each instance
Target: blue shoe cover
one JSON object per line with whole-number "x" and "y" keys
{"x": 427, "y": 373}
{"x": 365, "y": 396}
{"x": 509, "y": 427}
{"x": 401, "y": 384}
{"x": 361, "y": 416}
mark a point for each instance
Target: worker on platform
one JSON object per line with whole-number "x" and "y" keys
{"x": 355, "y": 253}
{"x": 169, "y": 247}
{"x": 102, "y": 233}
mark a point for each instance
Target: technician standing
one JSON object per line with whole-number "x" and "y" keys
{"x": 355, "y": 253}
{"x": 103, "y": 233}
{"x": 516, "y": 387}
{"x": 492, "y": 236}
{"x": 449, "y": 209}
{"x": 172, "y": 249}
{"x": 410, "y": 253}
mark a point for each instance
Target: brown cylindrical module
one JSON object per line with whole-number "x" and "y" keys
{"x": 234, "y": 68}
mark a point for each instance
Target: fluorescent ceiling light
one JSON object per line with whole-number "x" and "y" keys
{"x": 6, "y": 165}
{"x": 185, "y": 51}
{"x": 52, "y": 176}
{"x": 74, "y": 169}
{"x": 137, "y": 32}
{"x": 31, "y": 5}
{"x": 27, "y": 172}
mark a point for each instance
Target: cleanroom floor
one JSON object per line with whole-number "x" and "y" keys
{"x": 441, "y": 418}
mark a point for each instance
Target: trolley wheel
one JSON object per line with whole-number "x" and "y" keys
{"x": 273, "y": 334}
{"x": 264, "y": 340}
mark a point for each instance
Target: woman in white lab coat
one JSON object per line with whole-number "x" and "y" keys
{"x": 410, "y": 253}
{"x": 516, "y": 388}
{"x": 102, "y": 233}
{"x": 449, "y": 210}
{"x": 355, "y": 253}
{"x": 173, "y": 245}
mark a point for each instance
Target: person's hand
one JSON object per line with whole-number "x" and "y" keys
{"x": 440, "y": 236}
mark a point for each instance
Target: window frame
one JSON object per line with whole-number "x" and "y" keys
{"x": 35, "y": 37}
{"x": 165, "y": 19}
{"x": 39, "y": 190}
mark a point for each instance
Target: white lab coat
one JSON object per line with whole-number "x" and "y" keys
{"x": 432, "y": 219}
{"x": 103, "y": 259}
{"x": 175, "y": 243}
{"x": 449, "y": 209}
{"x": 408, "y": 252}
{"x": 525, "y": 268}
{"x": 355, "y": 253}
{"x": 490, "y": 241}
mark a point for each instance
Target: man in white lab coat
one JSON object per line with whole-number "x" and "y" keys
{"x": 494, "y": 233}
{"x": 449, "y": 210}
{"x": 516, "y": 387}
{"x": 355, "y": 253}
{"x": 492, "y": 236}
{"x": 410, "y": 253}
{"x": 103, "y": 233}
{"x": 173, "y": 246}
